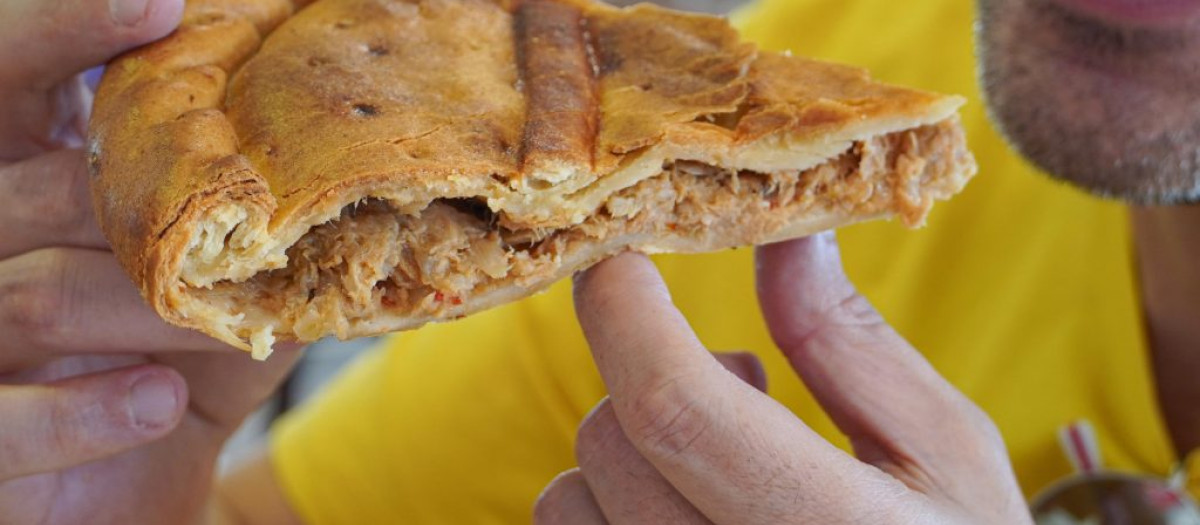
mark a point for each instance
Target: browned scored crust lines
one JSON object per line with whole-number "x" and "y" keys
{"x": 375, "y": 165}
{"x": 660, "y": 67}
{"x": 560, "y": 121}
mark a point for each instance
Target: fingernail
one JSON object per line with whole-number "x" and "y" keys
{"x": 152, "y": 401}
{"x": 825, "y": 247}
{"x": 127, "y": 12}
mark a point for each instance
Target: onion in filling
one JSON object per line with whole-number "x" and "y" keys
{"x": 374, "y": 258}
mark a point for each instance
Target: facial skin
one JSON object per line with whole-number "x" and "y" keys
{"x": 1104, "y": 94}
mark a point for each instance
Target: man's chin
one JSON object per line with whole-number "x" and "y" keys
{"x": 1136, "y": 194}
{"x": 1110, "y": 162}
{"x": 1114, "y": 117}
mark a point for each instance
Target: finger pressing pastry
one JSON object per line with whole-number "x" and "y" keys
{"x": 353, "y": 167}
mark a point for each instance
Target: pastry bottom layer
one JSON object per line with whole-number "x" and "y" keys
{"x": 374, "y": 261}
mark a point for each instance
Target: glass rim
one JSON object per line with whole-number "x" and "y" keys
{"x": 1079, "y": 478}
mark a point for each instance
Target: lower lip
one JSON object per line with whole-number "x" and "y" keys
{"x": 1137, "y": 11}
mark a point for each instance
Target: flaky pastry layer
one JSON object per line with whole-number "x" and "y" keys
{"x": 360, "y": 166}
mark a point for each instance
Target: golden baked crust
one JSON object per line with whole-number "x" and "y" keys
{"x": 361, "y": 166}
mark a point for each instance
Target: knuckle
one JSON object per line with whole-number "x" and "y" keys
{"x": 977, "y": 435}
{"x": 61, "y": 434}
{"x": 74, "y": 205}
{"x": 853, "y": 309}
{"x": 35, "y": 298}
{"x": 669, "y": 421}
{"x": 845, "y": 314}
{"x": 52, "y": 199}
{"x": 985, "y": 430}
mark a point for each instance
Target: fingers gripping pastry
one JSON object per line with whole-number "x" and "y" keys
{"x": 353, "y": 167}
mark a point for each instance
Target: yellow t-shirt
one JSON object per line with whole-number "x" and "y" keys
{"x": 1021, "y": 291}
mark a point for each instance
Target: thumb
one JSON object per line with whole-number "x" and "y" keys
{"x": 58, "y": 425}
{"x": 877, "y": 388}
{"x": 43, "y": 43}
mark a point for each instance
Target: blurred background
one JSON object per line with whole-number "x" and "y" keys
{"x": 321, "y": 362}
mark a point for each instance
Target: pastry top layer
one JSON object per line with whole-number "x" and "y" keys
{"x": 500, "y": 100}
{"x": 530, "y": 103}
{"x": 258, "y": 119}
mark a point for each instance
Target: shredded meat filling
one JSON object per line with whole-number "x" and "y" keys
{"x": 373, "y": 257}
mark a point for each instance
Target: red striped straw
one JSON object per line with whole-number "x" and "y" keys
{"x": 1078, "y": 441}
